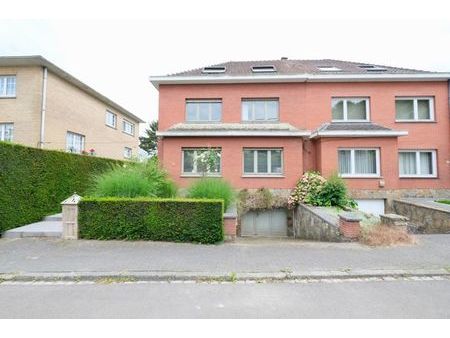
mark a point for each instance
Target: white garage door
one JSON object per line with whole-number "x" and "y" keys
{"x": 271, "y": 223}
{"x": 375, "y": 207}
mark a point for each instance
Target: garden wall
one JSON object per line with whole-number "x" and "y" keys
{"x": 313, "y": 224}
{"x": 176, "y": 220}
{"x": 33, "y": 182}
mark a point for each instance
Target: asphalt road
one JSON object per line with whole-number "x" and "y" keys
{"x": 331, "y": 299}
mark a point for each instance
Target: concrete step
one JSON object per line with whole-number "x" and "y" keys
{"x": 55, "y": 217}
{"x": 52, "y": 229}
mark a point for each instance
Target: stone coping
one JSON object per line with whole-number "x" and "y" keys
{"x": 350, "y": 217}
{"x": 426, "y": 203}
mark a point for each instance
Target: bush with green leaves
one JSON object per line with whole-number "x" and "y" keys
{"x": 146, "y": 179}
{"x": 33, "y": 182}
{"x": 156, "y": 219}
{"x": 314, "y": 189}
{"x": 208, "y": 187}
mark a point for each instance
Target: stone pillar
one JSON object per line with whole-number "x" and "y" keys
{"x": 70, "y": 217}
{"x": 230, "y": 223}
{"x": 349, "y": 225}
{"x": 396, "y": 221}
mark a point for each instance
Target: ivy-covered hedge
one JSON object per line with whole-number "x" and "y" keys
{"x": 176, "y": 220}
{"x": 33, "y": 182}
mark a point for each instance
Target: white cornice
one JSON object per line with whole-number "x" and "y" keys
{"x": 232, "y": 133}
{"x": 210, "y": 79}
{"x": 359, "y": 133}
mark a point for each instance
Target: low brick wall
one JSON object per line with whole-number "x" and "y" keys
{"x": 429, "y": 217}
{"x": 313, "y": 224}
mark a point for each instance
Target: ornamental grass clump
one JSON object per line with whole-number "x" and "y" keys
{"x": 212, "y": 188}
{"x": 134, "y": 180}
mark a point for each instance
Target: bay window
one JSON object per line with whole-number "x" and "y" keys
{"x": 359, "y": 162}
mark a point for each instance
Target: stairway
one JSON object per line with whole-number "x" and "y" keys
{"x": 49, "y": 227}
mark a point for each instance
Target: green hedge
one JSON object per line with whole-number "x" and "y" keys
{"x": 157, "y": 219}
{"x": 33, "y": 182}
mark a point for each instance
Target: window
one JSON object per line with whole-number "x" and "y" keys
{"x": 329, "y": 69}
{"x": 350, "y": 109}
{"x": 359, "y": 162}
{"x": 127, "y": 152}
{"x": 203, "y": 110}
{"x": 7, "y": 86}
{"x": 128, "y": 127}
{"x": 264, "y": 69}
{"x": 417, "y": 163}
{"x": 111, "y": 119}
{"x": 74, "y": 143}
{"x": 201, "y": 161}
{"x": 372, "y": 68}
{"x": 6, "y": 131}
{"x": 414, "y": 109}
{"x": 214, "y": 70}
{"x": 260, "y": 110}
{"x": 263, "y": 162}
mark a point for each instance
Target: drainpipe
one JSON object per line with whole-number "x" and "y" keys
{"x": 43, "y": 107}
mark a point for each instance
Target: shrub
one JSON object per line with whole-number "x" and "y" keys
{"x": 215, "y": 188}
{"x": 134, "y": 180}
{"x": 315, "y": 190}
{"x": 177, "y": 220}
{"x": 33, "y": 182}
{"x": 334, "y": 193}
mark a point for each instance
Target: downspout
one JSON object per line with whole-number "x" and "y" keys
{"x": 43, "y": 108}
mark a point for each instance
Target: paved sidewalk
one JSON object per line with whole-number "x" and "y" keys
{"x": 53, "y": 256}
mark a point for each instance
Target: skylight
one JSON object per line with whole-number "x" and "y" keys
{"x": 264, "y": 69}
{"x": 214, "y": 70}
{"x": 329, "y": 69}
{"x": 372, "y": 68}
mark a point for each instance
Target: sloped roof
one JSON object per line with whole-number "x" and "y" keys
{"x": 37, "y": 60}
{"x": 294, "y": 67}
{"x": 234, "y": 129}
{"x": 355, "y": 129}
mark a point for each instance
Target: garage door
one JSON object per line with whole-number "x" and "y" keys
{"x": 375, "y": 207}
{"x": 271, "y": 223}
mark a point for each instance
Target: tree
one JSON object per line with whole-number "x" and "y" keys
{"x": 149, "y": 142}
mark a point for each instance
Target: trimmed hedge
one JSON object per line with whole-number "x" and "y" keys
{"x": 33, "y": 182}
{"x": 156, "y": 219}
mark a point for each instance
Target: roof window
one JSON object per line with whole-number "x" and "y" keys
{"x": 329, "y": 69}
{"x": 214, "y": 70}
{"x": 264, "y": 69}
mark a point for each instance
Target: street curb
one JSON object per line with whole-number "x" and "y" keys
{"x": 134, "y": 276}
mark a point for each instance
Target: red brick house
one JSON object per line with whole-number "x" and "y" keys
{"x": 384, "y": 129}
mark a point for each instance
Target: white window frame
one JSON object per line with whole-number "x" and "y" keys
{"x": 83, "y": 142}
{"x": 198, "y": 110}
{"x": 3, "y": 131}
{"x": 345, "y": 99}
{"x": 269, "y": 163}
{"x": 4, "y": 79}
{"x": 114, "y": 125}
{"x": 352, "y": 164}
{"x": 417, "y": 152}
{"x": 415, "y": 100}
{"x": 124, "y": 122}
{"x": 265, "y": 100}
{"x": 127, "y": 153}
{"x": 195, "y": 173}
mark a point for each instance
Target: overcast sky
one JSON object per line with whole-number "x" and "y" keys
{"x": 116, "y": 57}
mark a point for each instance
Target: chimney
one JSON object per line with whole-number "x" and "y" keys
{"x": 284, "y": 58}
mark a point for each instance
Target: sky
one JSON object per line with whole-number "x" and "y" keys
{"x": 116, "y": 56}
